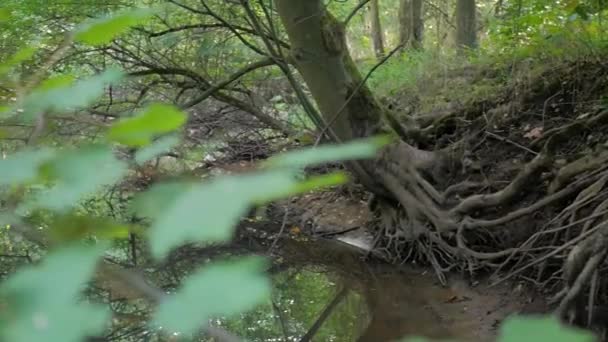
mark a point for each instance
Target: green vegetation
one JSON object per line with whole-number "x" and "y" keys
{"x": 114, "y": 116}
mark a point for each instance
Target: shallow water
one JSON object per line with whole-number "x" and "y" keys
{"x": 325, "y": 291}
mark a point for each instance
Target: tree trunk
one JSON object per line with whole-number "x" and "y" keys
{"x": 376, "y": 29}
{"x": 320, "y": 54}
{"x": 466, "y": 24}
{"x": 405, "y": 20}
{"x": 411, "y": 24}
{"x": 417, "y": 24}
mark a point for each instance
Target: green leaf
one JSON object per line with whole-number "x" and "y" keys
{"x": 76, "y": 174}
{"x": 316, "y": 182}
{"x": 103, "y": 30}
{"x": 75, "y": 227}
{"x": 22, "y": 55}
{"x": 365, "y": 148}
{"x": 5, "y": 14}
{"x": 162, "y": 145}
{"x": 159, "y": 197}
{"x": 39, "y": 303}
{"x": 221, "y": 289}
{"x": 23, "y": 166}
{"x": 56, "y": 82}
{"x": 208, "y": 212}
{"x": 570, "y": 5}
{"x": 582, "y": 11}
{"x": 533, "y": 329}
{"x": 61, "y": 93}
{"x": 156, "y": 119}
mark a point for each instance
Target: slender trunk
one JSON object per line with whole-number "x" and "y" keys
{"x": 466, "y": 24}
{"x": 417, "y": 24}
{"x": 376, "y": 29}
{"x": 405, "y": 20}
{"x": 411, "y": 24}
{"x": 438, "y": 31}
{"x": 498, "y": 8}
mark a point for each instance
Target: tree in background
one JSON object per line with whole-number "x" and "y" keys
{"x": 376, "y": 29}
{"x": 411, "y": 23}
{"x": 466, "y": 24}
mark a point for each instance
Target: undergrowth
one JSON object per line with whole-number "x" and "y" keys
{"x": 421, "y": 81}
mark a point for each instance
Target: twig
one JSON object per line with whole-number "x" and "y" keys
{"x": 324, "y": 315}
{"x": 552, "y": 253}
{"x": 354, "y": 11}
{"x": 281, "y": 319}
{"x": 251, "y": 67}
{"x": 503, "y": 139}
{"x": 280, "y": 231}
{"x": 339, "y": 232}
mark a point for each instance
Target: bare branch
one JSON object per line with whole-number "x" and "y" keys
{"x": 252, "y": 67}
{"x": 354, "y": 11}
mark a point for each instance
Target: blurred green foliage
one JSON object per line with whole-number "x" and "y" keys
{"x": 51, "y": 186}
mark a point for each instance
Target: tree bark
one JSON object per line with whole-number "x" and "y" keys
{"x": 405, "y": 20}
{"x": 376, "y": 29}
{"x": 320, "y": 54}
{"x": 411, "y": 24}
{"x": 321, "y": 57}
{"x": 417, "y": 24}
{"x": 466, "y": 24}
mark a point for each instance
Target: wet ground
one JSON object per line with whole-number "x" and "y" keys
{"x": 325, "y": 290}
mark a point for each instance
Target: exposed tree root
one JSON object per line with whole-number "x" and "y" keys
{"x": 566, "y": 131}
{"x": 585, "y": 163}
{"x": 576, "y": 285}
{"x": 449, "y": 229}
{"x": 528, "y": 174}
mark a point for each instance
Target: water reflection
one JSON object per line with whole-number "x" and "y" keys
{"x": 307, "y": 304}
{"x": 326, "y": 292}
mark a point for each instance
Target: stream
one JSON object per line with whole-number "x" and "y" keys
{"x": 324, "y": 290}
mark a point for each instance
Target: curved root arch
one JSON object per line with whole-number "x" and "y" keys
{"x": 448, "y": 230}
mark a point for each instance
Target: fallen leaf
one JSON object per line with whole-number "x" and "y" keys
{"x": 534, "y": 133}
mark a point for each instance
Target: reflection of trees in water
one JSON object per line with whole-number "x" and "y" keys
{"x": 329, "y": 293}
{"x": 382, "y": 303}
{"x": 307, "y": 305}
{"x": 323, "y": 291}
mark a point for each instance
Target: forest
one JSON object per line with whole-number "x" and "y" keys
{"x": 303, "y": 170}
